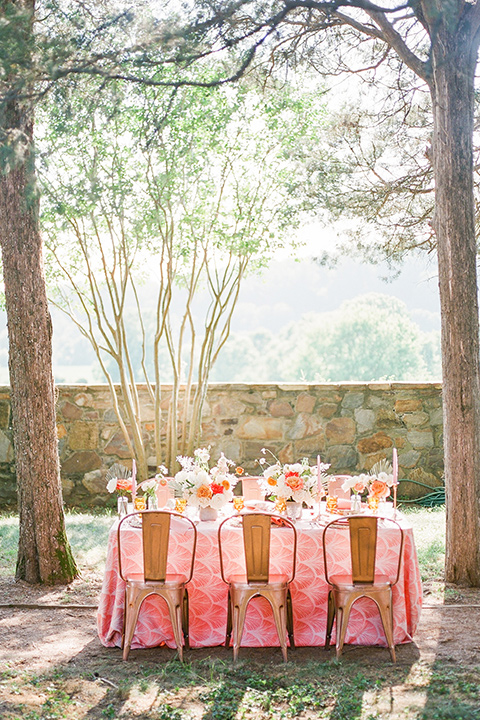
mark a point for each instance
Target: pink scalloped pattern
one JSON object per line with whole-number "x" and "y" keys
{"x": 208, "y": 593}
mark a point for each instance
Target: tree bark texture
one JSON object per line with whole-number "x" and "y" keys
{"x": 454, "y": 61}
{"x": 44, "y": 554}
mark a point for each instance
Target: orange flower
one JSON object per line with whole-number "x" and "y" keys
{"x": 239, "y": 470}
{"x": 226, "y": 485}
{"x": 124, "y": 485}
{"x": 271, "y": 481}
{"x": 379, "y": 489}
{"x": 204, "y": 491}
{"x": 294, "y": 481}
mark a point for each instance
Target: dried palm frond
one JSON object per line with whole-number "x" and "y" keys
{"x": 117, "y": 471}
{"x": 381, "y": 466}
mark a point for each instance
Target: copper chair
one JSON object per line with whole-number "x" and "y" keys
{"x": 363, "y": 581}
{"x": 155, "y": 580}
{"x": 258, "y": 581}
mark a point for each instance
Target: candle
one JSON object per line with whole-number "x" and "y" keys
{"x": 320, "y": 489}
{"x": 134, "y": 479}
{"x": 395, "y": 480}
{"x": 395, "y": 466}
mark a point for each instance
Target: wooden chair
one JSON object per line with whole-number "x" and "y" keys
{"x": 363, "y": 581}
{"x": 155, "y": 580}
{"x": 258, "y": 581}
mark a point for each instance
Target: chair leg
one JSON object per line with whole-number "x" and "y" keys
{"x": 175, "y": 612}
{"x": 186, "y": 620}
{"x": 239, "y": 612}
{"x": 386, "y": 615}
{"x": 290, "y": 620}
{"x": 343, "y": 615}
{"x": 228, "y": 633}
{"x": 132, "y": 607}
{"x": 280, "y": 617}
{"x": 179, "y": 613}
{"x": 330, "y": 619}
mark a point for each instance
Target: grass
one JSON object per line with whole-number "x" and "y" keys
{"x": 213, "y": 689}
{"x": 209, "y": 687}
{"x": 87, "y": 532}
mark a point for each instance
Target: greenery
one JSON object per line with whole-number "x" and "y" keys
{"x": 188, "y": 191}
{"x": 370, "y": 337}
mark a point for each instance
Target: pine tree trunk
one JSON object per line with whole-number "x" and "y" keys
{"x": 44, "y": 554}
{"x": 454, "y": 62}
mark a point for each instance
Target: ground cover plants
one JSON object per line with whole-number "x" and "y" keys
{"x": 53, "y": 666}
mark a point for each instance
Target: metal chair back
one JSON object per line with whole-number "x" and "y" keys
{"x": 156, "y": 526}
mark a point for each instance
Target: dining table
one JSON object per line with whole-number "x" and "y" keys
{"x": 208, "y": 593}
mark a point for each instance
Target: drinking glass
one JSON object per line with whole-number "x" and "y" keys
{"x": 139, "y": 503}
{"x": 238, "y": 503}
{"x": 280, "y": 505}
{"x": 180, "y": 505}
{"x": 332, "y": 503}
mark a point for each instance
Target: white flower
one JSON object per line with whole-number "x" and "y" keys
{"x": 386, "y": 478}
{"x": 162, "y": 470}
{"x": 149, "y": 486}
{"x": 186, "y": 462}
{"x": 202, "y": 455}
{"x": 112, "y": 485}
{"x": 296, "y": 467}
{"x": 271, "y": 471}
{"x": 201, "y": 477}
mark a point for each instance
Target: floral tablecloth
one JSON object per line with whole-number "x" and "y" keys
{"x": 208, "y": 594}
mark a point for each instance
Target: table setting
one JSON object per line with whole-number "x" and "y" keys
{"x": 200, "y": 486}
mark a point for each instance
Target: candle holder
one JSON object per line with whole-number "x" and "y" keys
{"x": 180, "y": 505}
{"x": 280, "y": 505}
{"x": 332, "y": 504}
{"x": 238, "y": 503}
{"x": 139, "y": 503}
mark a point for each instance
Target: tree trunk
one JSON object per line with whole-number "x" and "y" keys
{"x": 44, "y": 553}
{"x": 454, "y": 61}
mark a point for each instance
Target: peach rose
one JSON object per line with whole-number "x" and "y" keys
{"x": 379, "y": 489}
{"x": 124, "y": 485}
{"x": 294, "y": 481}
{"x": 204, "y": 491}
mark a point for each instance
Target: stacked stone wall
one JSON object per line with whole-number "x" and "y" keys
{"x": 351, "y": 426}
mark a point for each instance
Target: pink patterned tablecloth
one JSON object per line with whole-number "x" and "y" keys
{"x": 208, "y": 594}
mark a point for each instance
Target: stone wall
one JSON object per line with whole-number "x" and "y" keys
{"x": 351, "y": 425}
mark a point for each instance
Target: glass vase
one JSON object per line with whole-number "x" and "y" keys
{"x": 122, "y": 506}
{"x": 355, "y": 503}
{"x": 294, "y": 510}
{"x": 207, "y": 514}
{"x": 152, "y": 502}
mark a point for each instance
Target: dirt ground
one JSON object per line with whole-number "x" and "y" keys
{"x": 44, "y": 629}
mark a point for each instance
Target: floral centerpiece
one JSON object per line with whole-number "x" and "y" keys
{"x": 294, "y": 482}
{"x": 378, "y": 482}
{"x": 120, "y": 480}
{"x": 149, "y": 487}
{"x": 202, "y": 486}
